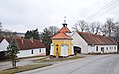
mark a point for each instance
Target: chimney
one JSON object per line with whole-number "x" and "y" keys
{"x": 22, "y": 40}
{"x": 31, "y": 39}
{"x": 40, "y": 40}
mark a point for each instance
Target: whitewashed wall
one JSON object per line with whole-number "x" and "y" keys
{"x": 91, "y": 49}
{"x": 27, "y": 53}
{"x": 80, "y": 42}
{"x": 72, "y": 51}
{"x": 52, "y": 49}
{"x": 85, "y": 48}
{"x": 3, "y": 45}
{"x": 107, "y": 49}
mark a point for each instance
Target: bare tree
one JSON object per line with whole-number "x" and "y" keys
{"x": 116, "y": 31}
{"x": 110, "y": 24}
{"x": 81, "y": 25}
{"x": 94, "y": 27}
{"x": 108, "y": 27}
{"x": 53, "y": 30}
{"x": 75, "y": 27}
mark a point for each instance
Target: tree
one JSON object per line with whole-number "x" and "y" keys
{"x": 0, "y": 27}
{"x": 116, "y": 31}
{"x": 28, "y": 34}
{"x": 46, "y": 39}
{"x": 108, "y": 27}
{"x": 53, "y": 30}
{"x": 13, "y": 49}
{"x": 94, "y": 27}
{"x": 33, "y": 33}
{"x": 46, "y": 36}
{"x": 81, "y": 25}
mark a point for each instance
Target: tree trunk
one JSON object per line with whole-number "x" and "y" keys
{"x": 14, "y": 63}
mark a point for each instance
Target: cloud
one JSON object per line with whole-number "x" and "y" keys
{"x": 23, "y": 15}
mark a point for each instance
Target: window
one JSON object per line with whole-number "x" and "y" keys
{"x": 102, "y": 48}
{"x": 106, "y": 48}
{"x": 31, "y": 51}
{"x": 39, "y": 50}
{"x": 114, "y": 48}
{"x": 110, "y": 48}
{"x": 97, "y": 48}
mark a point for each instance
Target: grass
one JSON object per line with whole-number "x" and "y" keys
{"x": 60, "y": 59}
{"x": 22, "y": 68}
{"x": 35, "y": 66}
{"x": 32, "y": 57}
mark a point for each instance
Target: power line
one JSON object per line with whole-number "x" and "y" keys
{"x": 108, "y": 7}
{"x": 108, "y": 10}
{"x": 100, "y": 10}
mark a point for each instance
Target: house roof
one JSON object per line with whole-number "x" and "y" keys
{"x": 61, "y": 36}
{"x": 25, "y": 44}
{"x": 96, "y": 39}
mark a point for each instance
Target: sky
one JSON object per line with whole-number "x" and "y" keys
{"x": 23, "y": 15}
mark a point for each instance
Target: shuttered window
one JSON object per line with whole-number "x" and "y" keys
{"x": 31, "y": 51}
{"x": 97, "y": 48}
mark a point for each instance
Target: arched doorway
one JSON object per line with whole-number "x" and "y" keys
{"x": 77, "y": 49}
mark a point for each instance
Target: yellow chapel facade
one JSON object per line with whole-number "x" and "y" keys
{"x": 62, "y": 43}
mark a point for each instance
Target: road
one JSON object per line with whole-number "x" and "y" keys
{"x": 99, "y": 64}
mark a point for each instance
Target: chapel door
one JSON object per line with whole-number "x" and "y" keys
{"x": 64, "y": 50}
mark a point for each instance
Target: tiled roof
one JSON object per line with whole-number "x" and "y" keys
{"x": 96, "y": 39}
{"x": 65, "y": 30}
{"x": 61, "y": 36}
{"x": 62, "y": 33}
{"x": 25, "y": 44}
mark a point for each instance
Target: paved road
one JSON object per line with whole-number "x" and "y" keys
{"x": 101, "y": 64}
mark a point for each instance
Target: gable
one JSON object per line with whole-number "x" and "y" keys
{"x": 3, "y": 45}
{"x": 78, "y": 40}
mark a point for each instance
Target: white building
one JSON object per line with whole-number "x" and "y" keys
{"x": 92, "y": 43}
{"x": 27, "y": 47}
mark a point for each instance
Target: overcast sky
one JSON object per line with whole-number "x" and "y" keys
{"x": 23, "y": 15}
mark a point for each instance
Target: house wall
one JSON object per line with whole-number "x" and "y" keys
{"x": 3, "y": 45}
{"x": 85, "y": 48}
{"x": 107, "y": 49}
{"x": 80, "y": 42}
{"x": 27, "y": 53}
